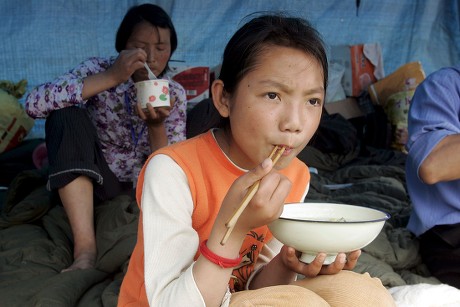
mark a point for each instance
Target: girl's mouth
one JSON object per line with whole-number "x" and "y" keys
{"x": 287, "y": 149}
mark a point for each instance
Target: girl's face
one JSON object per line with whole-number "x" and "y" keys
{"x": 156, "y": 43}
{"x": 279, "y": 102}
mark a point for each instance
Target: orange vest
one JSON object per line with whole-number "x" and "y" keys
{"x": 210, "y": 174}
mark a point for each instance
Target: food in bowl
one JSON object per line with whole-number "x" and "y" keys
{"x": 329, "y": 228}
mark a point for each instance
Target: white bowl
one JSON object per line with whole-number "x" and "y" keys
{"x": 327, "y": 227}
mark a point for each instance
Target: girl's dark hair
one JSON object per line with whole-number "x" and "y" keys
{"x": 151, "y": 13}
{"x": 242, "y": 51}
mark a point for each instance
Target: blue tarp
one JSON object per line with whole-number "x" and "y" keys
{"x": 42, "y": 39}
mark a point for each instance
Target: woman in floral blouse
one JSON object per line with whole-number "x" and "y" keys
{"x": 97, "y": 135}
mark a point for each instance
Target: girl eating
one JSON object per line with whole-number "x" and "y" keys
{"x": 270, "y": 93}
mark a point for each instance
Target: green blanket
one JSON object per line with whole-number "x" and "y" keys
{"x": 36, "y": 244}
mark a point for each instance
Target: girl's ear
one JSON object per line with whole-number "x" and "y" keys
{"x": 220, "y": 98}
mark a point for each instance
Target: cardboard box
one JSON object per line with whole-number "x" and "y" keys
{"x": 406, "y": 77}
{"x": 348, "y": 108}
{"x": 363, "y": 66}
{"x": 195, "y": 80}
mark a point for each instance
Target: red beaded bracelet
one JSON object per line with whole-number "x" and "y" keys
{"x": 224, "y": 263}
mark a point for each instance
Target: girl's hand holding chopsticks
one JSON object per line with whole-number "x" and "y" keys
{"x": 265, "y": 206}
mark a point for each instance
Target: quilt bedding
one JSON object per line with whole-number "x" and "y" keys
{"x": 36, "y": 241}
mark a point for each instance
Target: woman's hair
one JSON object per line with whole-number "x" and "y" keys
{"x": 242, "y": 52}
{"x": 151, "y": 13}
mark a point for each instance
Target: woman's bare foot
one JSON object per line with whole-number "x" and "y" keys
{"x": 83, "y": 261}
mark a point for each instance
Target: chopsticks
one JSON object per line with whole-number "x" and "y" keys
{"x": 275, "y": 155}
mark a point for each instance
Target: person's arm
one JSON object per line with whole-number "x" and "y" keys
{"x": 262, "y": 272}
{"x": 170, "y": 242}
{"x": 157, "y": 136}
{"x": 127, "y": 62}
{"x": 176, "y": 123}
{"x": 64, "y": 91}
{"x": 443, "y": 163}
{"x": 434, "y": 127}
{"x": 94, "y": 84}
{"x": 69, "y": 89}
{"x": 82, "y": 82}
{"x": 269, "y": 252}
{"x": 269, "y": 269}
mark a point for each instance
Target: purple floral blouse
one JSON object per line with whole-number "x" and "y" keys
{"x": 122, "y": 133}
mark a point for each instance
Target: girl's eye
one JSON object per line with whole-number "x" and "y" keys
{"x": 272, "y": 96}
{"x": 314, "y": 102}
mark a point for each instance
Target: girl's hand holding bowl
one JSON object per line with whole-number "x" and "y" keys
{"x": 342, "y": 262}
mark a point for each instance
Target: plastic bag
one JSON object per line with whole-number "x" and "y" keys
{"x": 14, "y": 121}
{"x": 394, "y": 93}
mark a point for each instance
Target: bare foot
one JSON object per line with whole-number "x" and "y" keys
{"x": 83, "y": 261}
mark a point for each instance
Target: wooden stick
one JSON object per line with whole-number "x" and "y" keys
{"x": 278, "y": 155}
{"x": 275, "y": 149}
{"x": 249, "y": 195}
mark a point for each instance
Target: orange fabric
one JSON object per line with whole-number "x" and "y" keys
{"x": 132, "y": 291}
{"x": 210, "y": 175}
